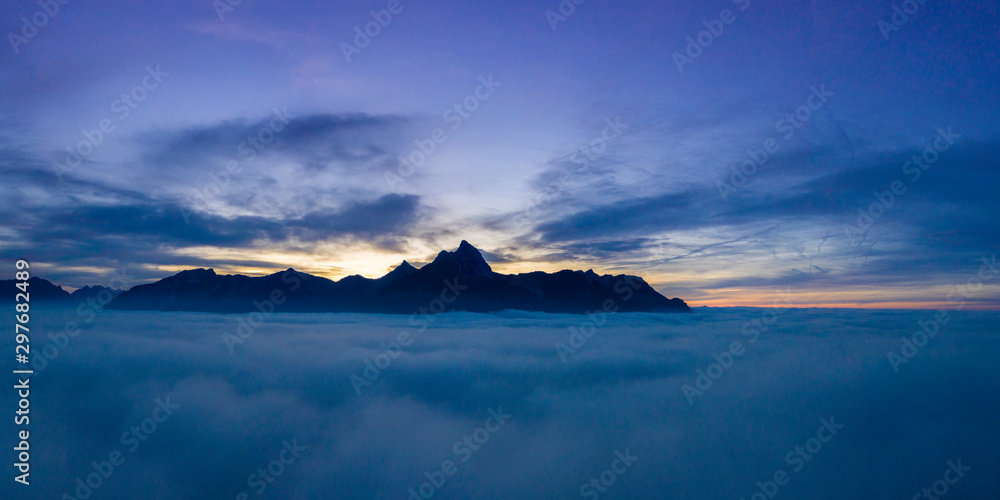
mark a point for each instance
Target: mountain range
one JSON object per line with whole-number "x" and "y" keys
{"x": 42, "y": 290}
{"x": 455, "y": 281}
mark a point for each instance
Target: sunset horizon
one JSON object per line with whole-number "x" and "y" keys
{"x": 496, "y": 250}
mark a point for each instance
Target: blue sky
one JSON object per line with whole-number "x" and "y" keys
{"x": 590, "y": 149}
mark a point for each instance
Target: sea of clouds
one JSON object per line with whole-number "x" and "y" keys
{"x": 511, "y": 405}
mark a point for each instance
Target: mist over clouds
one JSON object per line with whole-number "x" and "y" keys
{"x": 621, "y": 390}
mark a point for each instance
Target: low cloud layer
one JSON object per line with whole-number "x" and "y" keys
{"x": 294, "y": 380}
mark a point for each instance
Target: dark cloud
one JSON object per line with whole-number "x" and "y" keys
{"x": 145, "y": 233}
{"x": 140, "y": 213}
{"x": 390, "y": 214}
{"x": 944, "y": 218}
{"x": 175, "y": 226}
{"x": 606, "y": 249}
{"x": 315, "y": 140}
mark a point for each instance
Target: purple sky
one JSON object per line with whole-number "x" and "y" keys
{"x": 593, "y": 138}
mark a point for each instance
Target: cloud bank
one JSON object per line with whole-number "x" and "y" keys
{"x": 293, "y": 383}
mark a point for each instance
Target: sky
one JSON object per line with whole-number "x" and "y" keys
{"x": 730, "y": 152}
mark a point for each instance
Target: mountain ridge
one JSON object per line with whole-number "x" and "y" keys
{"x": 460, "y": 280}
{"x": 43, "y": 290}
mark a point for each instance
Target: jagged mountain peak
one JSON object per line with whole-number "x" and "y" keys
{"x": 467, "y": 261}
{"x": 404, "y": 268}
{"x": 401, "y": 271}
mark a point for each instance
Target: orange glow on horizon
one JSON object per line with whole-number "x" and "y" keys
{"x": 921, "y": 306}
{"x": 691, "y": 285}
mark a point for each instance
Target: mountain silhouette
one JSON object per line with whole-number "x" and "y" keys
{"x": 455, "y": 281}
{"x": 101, "y": 294}
{"x": 38, "y": 289}
{"x": 44, "y": 291}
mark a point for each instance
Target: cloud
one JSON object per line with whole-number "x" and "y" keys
{"x": 316, "y": 139}
{"x": 238, "y": 32}
{"x": 290, "y": 380}
{"x": 390, "y": 214}
{"x": 945, "y": 218}
{"x": 136, "y": 233}
{"x": 317, "y": 181}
